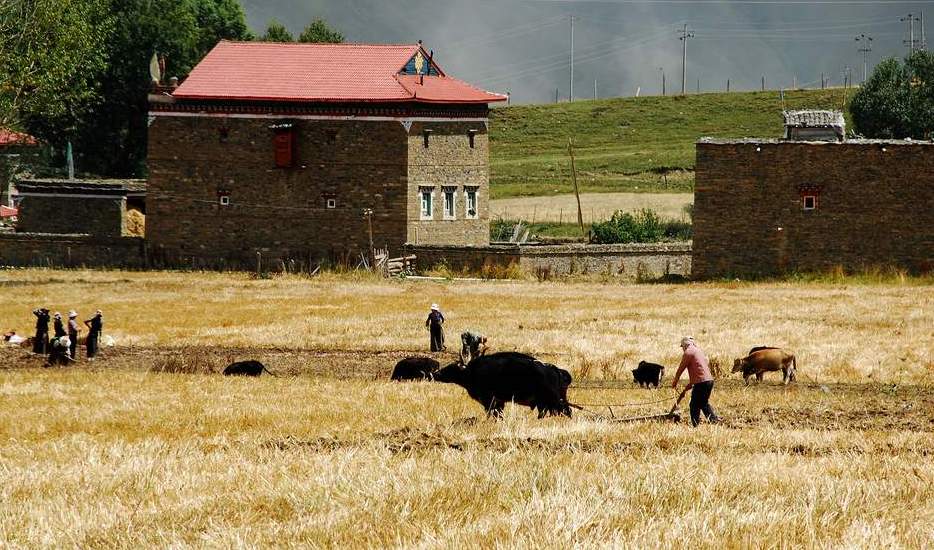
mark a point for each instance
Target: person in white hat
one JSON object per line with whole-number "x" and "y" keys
{"x": 694, "y": 360}
{"x": 57, "y": 327}
{"x": 73, "y": 331}
{"x": 434, "y": 324}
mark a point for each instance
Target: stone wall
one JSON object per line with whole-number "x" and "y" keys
{"x": 620, "y": 260}
{"x": 281, "y": 212}
{"x": 873, "y": 206}
{"x": 72, "y": 215}
{"x": 449, "y": 162}
{"x": 55, "y": 250}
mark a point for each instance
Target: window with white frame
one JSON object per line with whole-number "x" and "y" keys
{"x": 449, "y": 195}
{"x": 471, "y": 207}
{"x": 426, "y": 195}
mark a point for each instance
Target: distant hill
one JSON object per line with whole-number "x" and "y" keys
{"x": 628, "y": 144}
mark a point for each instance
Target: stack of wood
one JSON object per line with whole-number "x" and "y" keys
{"x": 399, "y": 266}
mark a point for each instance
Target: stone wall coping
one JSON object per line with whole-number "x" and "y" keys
{"x": 775, "y": 141}
{"x": 83, "y": 238}
{"x": 535, "y": 249}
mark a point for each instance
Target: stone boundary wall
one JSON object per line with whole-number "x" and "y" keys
{"x": 76, "y": 250}
{"x": 617, "y": 260}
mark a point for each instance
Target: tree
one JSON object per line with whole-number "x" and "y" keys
{"x": 113, "y": 141}
{"x": 898, "y": 99}
{"x": 318, "y": 31}
{"x": 52, "y": 53}
{"x": 276, "y": 32}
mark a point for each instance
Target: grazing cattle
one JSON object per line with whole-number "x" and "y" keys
{"x": 648, "y": 374}
{"x": 495, "y": 379}
{"x": 415, "y": 368}
{"x": 246, "y": 368}
{"x": 765, "y": 360}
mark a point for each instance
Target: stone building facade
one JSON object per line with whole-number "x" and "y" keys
{"x": 767, "y": 207}
{"x": 18, "y": 153}
{"x": 393, "y": 151}
{"x": 77, "y": 207}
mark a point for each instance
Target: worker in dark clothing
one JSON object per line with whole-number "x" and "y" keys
{"x": 41, "y": 342}
{"x": 95, "y": 327}
{"x": 57, "y": 326}
{"x": 473, "y": 345}
{"x": 436, "y": 331}
{"x": 73, "y": 331}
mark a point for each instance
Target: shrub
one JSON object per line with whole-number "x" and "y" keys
{"x": 643, "y": 227}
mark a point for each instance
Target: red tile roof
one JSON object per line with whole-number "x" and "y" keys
{"x": 9, "y": 137}
{"x": 268, "y": 71}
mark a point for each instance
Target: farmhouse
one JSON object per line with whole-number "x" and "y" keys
{"x": 315, "y": 151}
{"x": 767, "y": 207}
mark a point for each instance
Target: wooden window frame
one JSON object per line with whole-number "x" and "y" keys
{"x": 422, "y": 191}
{"x": 446, "y": 192}
{"x": 468, "y": 189}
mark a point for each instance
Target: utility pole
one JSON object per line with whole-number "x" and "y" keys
{"x": 911, "y": 32}
{"x": 698, "y": 85}
{"x": 763, "y": 83}
{"x": 595, "y": 88}
{"x": 923, "y": 44}
{"x": 728, "y": 85}
{"x": 684, "y": 54}
{"x": 662, "y": 70}
{"x": 865, "y": 49}
{"x": 571, "y": 65}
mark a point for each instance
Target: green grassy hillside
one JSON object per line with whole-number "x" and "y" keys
{"x": 628, "y": 144}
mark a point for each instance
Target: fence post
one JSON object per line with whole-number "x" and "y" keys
{"x": 259, "y": 262}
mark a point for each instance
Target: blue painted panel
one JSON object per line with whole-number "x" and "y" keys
{"x": 426, "y": 68}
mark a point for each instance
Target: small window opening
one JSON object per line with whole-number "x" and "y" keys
{"x": 449, "y": 194}
{"x": 223, "y": 198}
{"x": 470, "y": 137}
{"x": 223, "y": 134}
{"x": 332, "y": 136}
{"x": 425, "y": 134}
{"x": 809, "y": 202}
{"x": 426, "y": 202}
{"x": 332, "y": 203}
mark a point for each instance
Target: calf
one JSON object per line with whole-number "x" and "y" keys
{"x": 493, "y": 380}
{"x": 767, "y": 360}
{"x": 648, "y": 373}
{"x": 246, "y": 368}
{"x": 415, "y": 368}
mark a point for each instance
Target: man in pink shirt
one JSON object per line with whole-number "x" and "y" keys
{"x": 695, "y": 362}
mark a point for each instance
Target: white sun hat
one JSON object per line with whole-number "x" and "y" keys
{"x": 72, "y": 313}
{"x": 434, "y": 307}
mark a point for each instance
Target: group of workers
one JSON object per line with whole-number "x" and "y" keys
{"x": 693, "y": 360}
{"x": 63, "y": 344}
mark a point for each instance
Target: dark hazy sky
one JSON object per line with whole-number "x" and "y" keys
{"x": 522, "y": 45}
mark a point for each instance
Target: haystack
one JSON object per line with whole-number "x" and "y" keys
{"x": 135, "y": 223}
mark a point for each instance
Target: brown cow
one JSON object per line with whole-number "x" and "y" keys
{"x": 767, "y": 360}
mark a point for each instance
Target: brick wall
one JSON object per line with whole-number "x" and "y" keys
{"x": 47, "y": 250}
{"x": 64, "y": 214}
{"x": 448, "y": 162}
{"x": 617, "y": 260}
{"x": 874, "y": 206}
{"x": 282, "y": 212}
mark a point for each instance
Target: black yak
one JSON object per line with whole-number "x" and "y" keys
{"x": 493, "y": 380}
{"x": 415, "y": 368}
{"x": 648, "y": 374}
{"x": 246, "y": 368}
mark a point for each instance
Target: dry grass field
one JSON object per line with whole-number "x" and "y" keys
{"x": 149, "y": 446}
{"x": 595, "y": 207}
